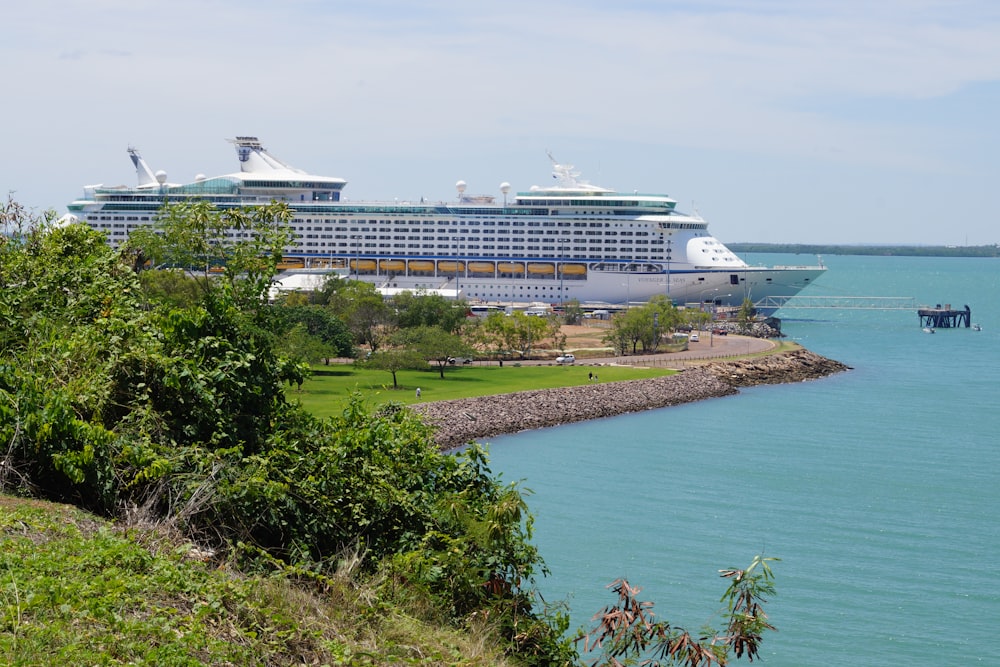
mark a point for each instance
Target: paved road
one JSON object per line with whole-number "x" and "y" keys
{"x": 708, "y": 347}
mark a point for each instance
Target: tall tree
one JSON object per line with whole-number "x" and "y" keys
{"x": 358, "y": 304}
{"x": 421, "y": 309}
{"x": 241, "y": 245}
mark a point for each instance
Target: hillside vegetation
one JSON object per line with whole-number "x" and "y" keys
{"x": 78, "y": 590}
{"x": 228, "y": 525}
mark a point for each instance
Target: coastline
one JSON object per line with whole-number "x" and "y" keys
{"x": 461, "y": 421}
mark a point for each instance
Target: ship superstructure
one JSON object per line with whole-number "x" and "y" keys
{"x": 570, "y": 240}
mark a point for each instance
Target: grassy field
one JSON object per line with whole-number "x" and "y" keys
{"x": 330, "y": 387}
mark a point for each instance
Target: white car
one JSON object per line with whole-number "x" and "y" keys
{"x": 566, "y": 359}
{"x": 693, "y": 337}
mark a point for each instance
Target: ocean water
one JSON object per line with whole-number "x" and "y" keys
{"x": 878, "y": 488}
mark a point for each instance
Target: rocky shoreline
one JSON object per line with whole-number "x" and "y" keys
{"x": 472, "y": 419}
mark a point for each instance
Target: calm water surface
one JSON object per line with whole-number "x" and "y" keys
{"x": 878, "y": 488}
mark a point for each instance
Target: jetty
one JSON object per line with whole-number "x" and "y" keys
{"x": 945, "y": 317}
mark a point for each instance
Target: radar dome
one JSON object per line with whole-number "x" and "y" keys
{"x": 505, "y": 187}
{"x": 460, "y": 186}
{"x": 161, "y": 177}
{"x": 198, "y": 178}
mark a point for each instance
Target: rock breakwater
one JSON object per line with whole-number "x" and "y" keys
{"x": 461, "y": 421}
{"x": 795, "y": 366}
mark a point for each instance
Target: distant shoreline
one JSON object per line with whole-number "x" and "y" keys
{"x": 869, "y": 250}
{"x": 461, "y": 421}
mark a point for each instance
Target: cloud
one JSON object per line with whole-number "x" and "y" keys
{"x": 640, "y": 85}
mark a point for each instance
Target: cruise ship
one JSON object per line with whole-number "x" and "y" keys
{"x": 567, "y": 240}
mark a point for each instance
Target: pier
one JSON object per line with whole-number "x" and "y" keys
{"x": 838, "y": 302}
{"x": 945, "y": 318}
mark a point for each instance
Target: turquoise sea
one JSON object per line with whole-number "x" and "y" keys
{"x": 878, "y": 488}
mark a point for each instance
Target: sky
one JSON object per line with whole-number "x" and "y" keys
{"x": 779, "y": 121}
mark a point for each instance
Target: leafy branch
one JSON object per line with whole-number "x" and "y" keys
{"x": 627, "y": 633}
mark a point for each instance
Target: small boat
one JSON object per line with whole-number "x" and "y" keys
{"x": 392, "y": 265}
{"x": 928, "y": 330}
{"x": 976, "y": 327}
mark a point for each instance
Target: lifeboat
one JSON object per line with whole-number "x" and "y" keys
{"x": 392, "y": 265}
{"x": 447, "y": 266}
{"x": 286, "y": 264}
{"x": 481, "y": 267}
{"x": 508, "y": 267}
{"x": 421, "y": 265}
{"x": 574, "y": 269}
{"x": 363, "y": 264}
{"x": 541, "y": 269}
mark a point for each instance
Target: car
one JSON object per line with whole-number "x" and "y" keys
{"x": 455, "y": 361}
{"x": 565, "y": 359}
{"x": 693, "y": 337}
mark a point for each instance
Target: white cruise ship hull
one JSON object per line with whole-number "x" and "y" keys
{"x": 571, "y": 240}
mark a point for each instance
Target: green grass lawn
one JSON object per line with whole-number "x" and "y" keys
{"x": 328, "y": 390}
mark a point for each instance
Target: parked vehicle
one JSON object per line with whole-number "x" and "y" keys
{"x": 693, "y": 337}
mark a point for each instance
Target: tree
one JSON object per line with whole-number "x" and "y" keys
{"x": 644, "y": 325}
{"x": 434, "y": 344}
{"x": 331, "y": 335}
{"x": 172, "y": 287}
{"x": 359, "y": 304}
{"x": 746, "y": 316}
{"x": 395, "y": 359}
{"x": 518, "y": 332}
{"x": 110, "y": 401}
{"x": 422, "y": 309}
{"x": 572, "y": 312}
{"x": 241, "y": 245}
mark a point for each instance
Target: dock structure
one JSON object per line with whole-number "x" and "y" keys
{"x": 945, "y": 318}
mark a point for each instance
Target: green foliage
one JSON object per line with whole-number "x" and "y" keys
{"x": 173, "y": 288}
{"x": 516, "y": 332}
{"x": 643, "y": 325}
{"x": 434, "y": 344}
{"x": 431, "y": 310}
{"x": 572, "y": 312}
{"x": 358, "y": 304}
{"x": 323, "y": 332}
{"x": 177, "y": 410}
{"x": 171, "y": 403}
{"x": 77, "y": 591}
{"x": 242, "y": 245}
{"x": 746, "y": 315}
